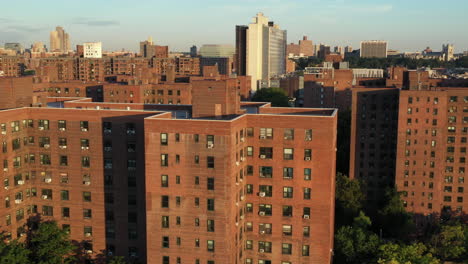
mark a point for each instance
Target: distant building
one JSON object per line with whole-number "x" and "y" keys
{"x": 217, "y": 51}
{"x": 374, "y": 49}
{"x": 448, "y": 51}
{"x": 323, "y": 51}
{"x": 92, "y": 50}
{"x": 59, "y": 40}
{"x": 193, "y": 51}
{"x": 38, "y": 47}
{"x": 241, "y": 50}
{"x": 305, "y": 48}
{"x": 14, "y": 46}
{"x": 149, "y": 50}
{"x": 266, "y": 51}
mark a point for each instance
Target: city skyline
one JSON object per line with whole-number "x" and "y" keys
{"x": 193, "y": 24}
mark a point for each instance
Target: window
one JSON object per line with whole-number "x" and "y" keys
{"x": 85, "y": 143}
{"x": 266, "y": 153}
{"x": 210, "y": 141}
{"x": 306, "y": 231}
{"x": 308, "y": 134}
{"x": 164, "y": 160}
{"x": 287, "y": 210}
{"x": 210, "y": 245}
{"x": 196, "y": 138}
{"x": 265, "y": 209}
{"x": 249, "y": 244}
{"x": 289, "y": 133}
{"x": 307, "y": 174}
{"x": 250, "y": 151}
{"x": 210, "y": 204}
{"x": 165, "y": 242}
{"x": 164, "y": 181}
{"x": 288, "y": 173}
{"x": 266, "y": 133}
{"x": 307, "y": 154}
{"x": 286, "y": 249}
{"x": 44, "y": 159}
{"x": 210, "y": 183}
{"x": 305, "y": 250}
{"x": 287, "y": 192}
{"x": 264, "y": 246}
{"x": 266, "y": 172}
{"x": 87, "y": 213}
{"x": 62, "y": 125}
{"x": 43, "y": 124}
{"x": 210, "y": 225}
{"x": 86, "y": 196}
{"x": 265, "y": 190}
{"x": 250, "y": 132}
{"x": 165, "y": 201}
{"x": 63, "y": 160}
{"x": 64, "y": 195}
{"x": 210, "y": 162}
{"x": 287, "y": 230}
{"x": 46, "y": 210}
{"x": 288, "y": 154}
{"x": 307, "y": 192}
{"x": 85, "y": 162}
{"x": 84, "y": 125}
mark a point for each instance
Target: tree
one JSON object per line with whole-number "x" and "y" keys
{"x": 349, "y": 199}
{"x": 449, "y": 243}
{"x": 394, "y": 221}
{"x": 356, "y": 244}
{"x": 116, "y": 260}
{"x": 276, "y": 96}
{"x": 13, "y": 252}
{"x": 49, "y": 244}
{"x": 391, "y": 253}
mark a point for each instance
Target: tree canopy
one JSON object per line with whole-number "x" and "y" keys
{"x": 276, "y": 96}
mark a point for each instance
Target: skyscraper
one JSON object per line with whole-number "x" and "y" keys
{"x": 59, "y": 40}
{"x": 265, "y": 50}
{"x": 374, "y": 49}
{"x": 241, "y": 50}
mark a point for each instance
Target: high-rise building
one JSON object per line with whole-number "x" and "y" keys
{"x": 448, "y": 51}
{"x": 38, "y": 47}
{"x": 374, "y": 49}
{"x": 59, "y": 40}
{"x": 92, "y": 50}
{"x": 254, "y": 188}
{"x": 193, "y": 51}
{"x": 431, "y": 152}
{"x": 220, "y": 55}
{"x": 149, "y": 50}
{"x": 265, "y": 51}
{"x": 241, "y": 50}
{"x": 304, "y": 48}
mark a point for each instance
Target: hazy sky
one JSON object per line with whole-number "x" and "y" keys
{"x": 408, "y": 25}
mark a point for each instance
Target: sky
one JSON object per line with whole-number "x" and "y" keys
{"x": 408, "y": 25}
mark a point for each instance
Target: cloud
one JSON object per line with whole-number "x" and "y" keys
{"x": 23, "y": 28}
{"x": 95, "y": 22}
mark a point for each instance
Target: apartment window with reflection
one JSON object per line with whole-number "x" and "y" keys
{"x": 266, "y": 133}
{"x": 307, "y": 174}
{"x": 210, "y": 245}
{"x": 177, "y": 137}
{"x": 265, "y": 209}
{"x": 307, "y": 193}
{"x": 286, "y": 249}
{"x": 210, "y": 225}
{"x": 307, "y": 154}
{"x": 164, "y": 160}
{"x": 287, "y": 230}
{"x": 63, "y": 160}
{"x": 164, "y": 181}
{"x": 305, "y": 250}
{"x": 289, "y": 133}
{"x": 165, "y": 201}
{"x": 264, "y": 246}
{"x": 288, "y": 173}
{"x": 288, "y": 154}
{"x": 65, "y": 212}
{"x": 250, "y": 151}
{"x": 287, "y": 192}
{"x": 250, "y": 132}
{"x": 43, "y": 124}
{"x": 266, "y": 172}
{"x": 44, "y": 159}
{"x": 86, "y": 196}
{"x": 306, "y": 212}
{"x": 62, "y": 143}
{"x": 308, "y": 134}
{"x": 210, "y": 140}
{"x": 62, "y": 125}
{"x": 46, "y": 211}
{"x": 165, "y": 242}
{"x": 210, "y": 162}
{"x": 306, "y": 231}
{"x": 265, "y": 191}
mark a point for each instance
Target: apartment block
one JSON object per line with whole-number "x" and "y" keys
{"x": 240, "y": 183}
{"x": 431, "y": 152}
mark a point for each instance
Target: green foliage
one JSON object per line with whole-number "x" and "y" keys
{"x": 450, "y": 242}
{"x": 49, "y": 244}
{"x": 383, "y": 63}
{"x": 276, "y": 96}
{"x": 356, "y": 244}
{"x": 13, "y": 252}
{"x": 393, "y": 218}
{"x": 302, "y": 63}
{"x": 349, "y": 199}
{"x": 391, "y": 253}
{"x": 116, "y": 260}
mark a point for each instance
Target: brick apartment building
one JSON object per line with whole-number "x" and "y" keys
{"x": 431, "y": 152}
{"x": 240, "y": 187}
{"x": 85, "y": 166}
{"x": 374, "y": 127}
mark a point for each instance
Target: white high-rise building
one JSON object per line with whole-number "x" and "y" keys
{"x": 92, "y": 50}
{"x": 266, "y": 51}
